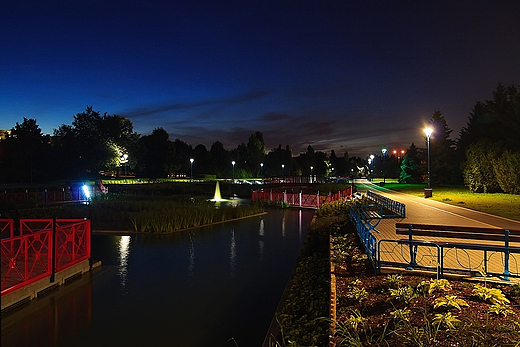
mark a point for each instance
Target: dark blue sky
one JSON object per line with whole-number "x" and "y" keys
{"x": 343, "y": 75}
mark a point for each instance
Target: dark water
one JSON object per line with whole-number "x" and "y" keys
{"x": 214, "y": 286}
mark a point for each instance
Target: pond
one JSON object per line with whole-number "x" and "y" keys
{"x": 212, "y": 286}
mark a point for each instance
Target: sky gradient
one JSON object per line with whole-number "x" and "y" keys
{"x": 342, "y": 75}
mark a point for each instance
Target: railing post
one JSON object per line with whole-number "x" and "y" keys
{"x": 413, "y": 249}
{"x": 53, "y": 250}
{"x": 506, "y": 256}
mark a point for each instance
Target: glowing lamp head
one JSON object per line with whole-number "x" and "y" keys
{"x": 428, "y": 132}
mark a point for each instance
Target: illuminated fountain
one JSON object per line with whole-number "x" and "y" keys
{"x": 217, "y": 197}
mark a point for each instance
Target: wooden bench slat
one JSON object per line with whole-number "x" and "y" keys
{"x": 403, "y": 228}
{"x": 460, "y": 235}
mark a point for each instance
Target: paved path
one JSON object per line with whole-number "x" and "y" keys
{"x": 425, "y": 211}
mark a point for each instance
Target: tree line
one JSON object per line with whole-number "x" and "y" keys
{"x": 485, "y": 156}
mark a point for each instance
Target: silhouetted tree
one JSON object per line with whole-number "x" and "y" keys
{"x": 443, "y": 165}
{"x": 24, "y": 157}
{"x": 410, "y": 166}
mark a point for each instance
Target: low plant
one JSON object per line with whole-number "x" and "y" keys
{"x": 500, "y": 309}
{"x": 401, "y": 314}
{"x": 393, "y": 281}
{"x": 355, "y": 320}
{"x": 433, "y": 285}
{"x": 358, "y": 294}
{"x": 493, "y": 295}
{"x": 450, "y": 301}
{"x": 404, "y": 294}
{"x": 447, "y": 319}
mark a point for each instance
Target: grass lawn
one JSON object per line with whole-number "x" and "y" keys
{"x": 505, "y": 205}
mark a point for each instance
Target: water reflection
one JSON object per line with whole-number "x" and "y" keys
{"x": 261, "y": 233}
{"x": 124, "y": 252}
{"x": 283, "y": 225}
{"x": 232, "y": 254}
{"x": 191, "y": 257}
{"x": 300, "y": 224}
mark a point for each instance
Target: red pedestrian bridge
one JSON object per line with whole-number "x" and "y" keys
{"x": 40, "y": 254}
{"x": 301, "y": 199}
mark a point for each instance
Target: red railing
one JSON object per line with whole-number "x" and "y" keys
{"x": 72, "y": 242}
{"x": 25, "y": 259}
{"x": 301, "y": 199}
{"x": 29, "y": 257}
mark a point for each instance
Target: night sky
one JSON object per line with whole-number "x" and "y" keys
{"x": 343, "y": 75}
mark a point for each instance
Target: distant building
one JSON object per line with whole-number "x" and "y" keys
{"x": 5, "y": 134}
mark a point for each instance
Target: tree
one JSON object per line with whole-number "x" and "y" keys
{"x": 497, "y": 120}
{"x": 219, "y": 160}
{"x": 157, "y": 154}
{"x": 491, "y": 136}
{"x": 255, "y": 153}
{"x": 479, "y": 175}
{"x": 24, "y": 157}
{"x": 442, "y": 152}
{"x": 410, "y": 166}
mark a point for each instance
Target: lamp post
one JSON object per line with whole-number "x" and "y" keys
{"x": 125, "y": 159}
{"x": 191, "y": 169}
{"x": 262, "y": 170}
{"x": 373, "y": 165}
{"x": 233, "y": 163}
{"x": 312, "y": 167}
{"x": 283, "y": 169}
{"x": 428, "y": 132}
{"x": 384, "y": 155}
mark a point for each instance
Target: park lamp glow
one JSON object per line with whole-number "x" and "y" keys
{"x": 86, "y": 191}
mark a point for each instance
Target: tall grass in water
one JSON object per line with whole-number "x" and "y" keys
{"x": 160, "y": 217}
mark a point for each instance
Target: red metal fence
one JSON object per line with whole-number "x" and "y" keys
{"x": 301, "y": 199}
{"x": 41, "y": 248}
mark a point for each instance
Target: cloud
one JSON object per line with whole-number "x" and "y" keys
{"x": 154, "y": 110}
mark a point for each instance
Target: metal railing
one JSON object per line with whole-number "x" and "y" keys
{"x": 368, "y": 240}
{"x": 42, "y": 248}
{"x": 396, "y": 207}
{"x": 301, "y": 199}
{"x": 469, "y": 258}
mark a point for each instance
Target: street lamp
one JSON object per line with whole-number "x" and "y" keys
{"x": 125, "y": 159}
{"x": 262, "y": 170}
{"x": 233, "y": 163}
{"x": 191, "y": 169}
{"x": 373, "y": 164}
{"x": 428, "y": 132}
{"x": 312, "y": 167}
{"x": 283, "y": 168}
{"x": 384, "y": 155}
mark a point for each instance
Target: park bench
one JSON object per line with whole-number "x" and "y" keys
{"x": 503, "y": 236}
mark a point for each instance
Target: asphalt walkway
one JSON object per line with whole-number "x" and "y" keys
{"x": 425, "y": 211}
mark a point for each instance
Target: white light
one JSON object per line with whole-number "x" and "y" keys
{"x": 86, "y": 191}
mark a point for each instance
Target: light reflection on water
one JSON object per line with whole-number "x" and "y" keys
{"x": 232, "y": 254}
{"x": 123, "y": 252}
{"x": 283, "y": 225}
{"x": 191, "y": 257}
{"x": 261, "y": 233}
